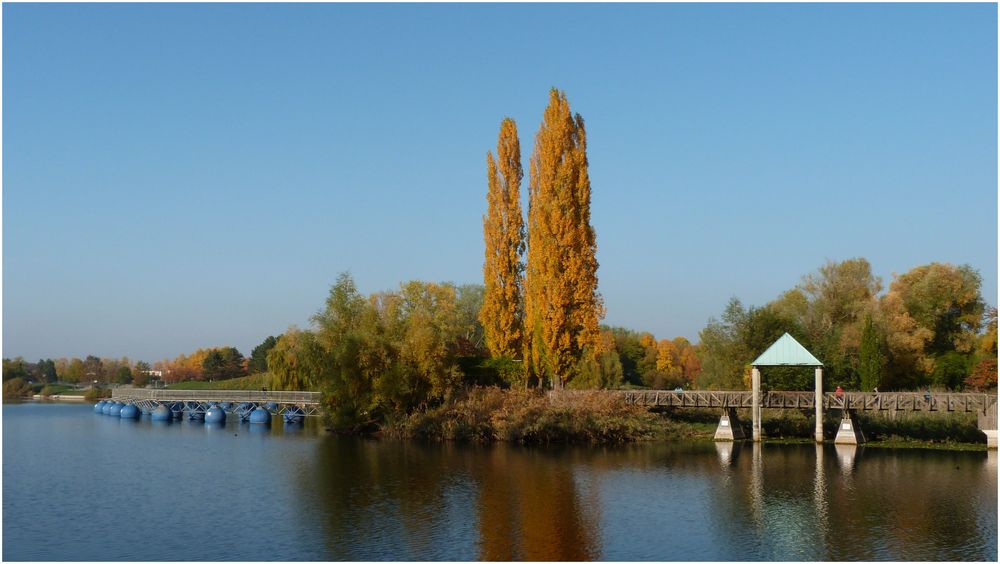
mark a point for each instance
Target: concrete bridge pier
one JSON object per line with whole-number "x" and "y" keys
{"x": 729, "y": 427}
{"x": 819, "y": 404}
{"x": 988, "y": 425}
{"x": 849, "y": 432}
{"x": 755, "y": 404}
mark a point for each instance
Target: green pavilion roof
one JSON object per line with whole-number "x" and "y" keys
{"x": 786, "y": 351}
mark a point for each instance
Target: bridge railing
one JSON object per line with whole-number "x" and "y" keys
{"x": 299, "y": 398}
{"x": 856, "y": 401}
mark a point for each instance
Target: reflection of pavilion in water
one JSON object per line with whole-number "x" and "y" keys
{"x": 791, "y": 521}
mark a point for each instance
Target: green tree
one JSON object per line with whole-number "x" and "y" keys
{"x": 348, "y": 382}
{"x": 294, "y": 361}
{"x": 222, "y": 364}
{"x": 729, "y": 345}
{"x": 14, "y": 369}
{"x": 123, "y": 375}
{"x": 258, "y": 357}
{"x": 950, "y": 370}
{"x": 47, "y": 368}
{"x": 870, "y": 362}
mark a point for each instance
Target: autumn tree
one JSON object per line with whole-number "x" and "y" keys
{"x": 562, "y": 306}
{"x": 503, "y": 231}
{"x": 93, "y": 369}
{"x": 931, "y": 311}
{"x": 687, "y": 359}
{"x": 983, "y": 375}
{"x": 140, "y": 374}
{"x": 75, "y": 371}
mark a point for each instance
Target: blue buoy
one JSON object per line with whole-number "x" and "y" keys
{"x": 271, "y": 406}
{"x": 129, "y": 411}
{"x": 294, "y": 415}
{"x": 215, "y": 414}
{"x": 162, "y": 413}
{"x": 99, "y": 407}
{"x": 106, "y": 410}
{"x": 116, "y": 409}
{"x": 261, "y": 416}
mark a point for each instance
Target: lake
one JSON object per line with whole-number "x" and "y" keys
{"x": 81, "y": 486}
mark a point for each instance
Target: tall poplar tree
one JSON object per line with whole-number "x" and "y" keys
{"x": 503, "y": 230}
{"x": 562, "y": 306}
{"x": 870, "y": 356}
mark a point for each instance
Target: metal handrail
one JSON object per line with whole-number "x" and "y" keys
{"x": 306, "y": 398}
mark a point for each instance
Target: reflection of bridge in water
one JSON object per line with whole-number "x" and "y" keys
{"x": 849, "y": 403}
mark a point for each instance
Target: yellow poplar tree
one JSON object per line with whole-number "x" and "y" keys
{"x": 562, "y": 306}
{"x": 503, "y": 230}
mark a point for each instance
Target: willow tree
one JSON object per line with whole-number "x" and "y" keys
{"x": 503, "y": 230}
{"x": 562, "y": 306}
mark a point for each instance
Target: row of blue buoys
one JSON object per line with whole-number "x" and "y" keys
{"x": 212, "y": 413}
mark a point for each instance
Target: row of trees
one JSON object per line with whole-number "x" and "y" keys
{"x": 543, "y": 309}
{"x": 218, "y": 363}
{"x": 76, "y": 370}
{"x": 927, "y": 329}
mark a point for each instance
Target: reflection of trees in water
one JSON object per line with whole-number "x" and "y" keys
{"x": 871, "y": 504}
{"x": 384, "y": 500}
{"x": 405, "y": 500}
{"x": 380, "y": 501}
{"x": 911, "y": 505}
{"x": 529, "y": 508}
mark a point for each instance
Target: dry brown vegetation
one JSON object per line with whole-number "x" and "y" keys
{"x": 533, "y": 416}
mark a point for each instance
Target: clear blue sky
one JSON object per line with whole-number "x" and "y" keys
{"x": 180, "y": 176}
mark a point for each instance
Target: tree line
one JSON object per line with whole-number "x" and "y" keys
{"x": 534, "y": 322}
{"x": 931, "y": 328}
{"x": 212, "y": 363}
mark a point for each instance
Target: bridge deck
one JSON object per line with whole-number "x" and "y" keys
{"x": 301, "y": 399}
{"x": 858, "y": 401}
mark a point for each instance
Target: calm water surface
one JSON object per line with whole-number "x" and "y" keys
{"x": 80, "y": 486}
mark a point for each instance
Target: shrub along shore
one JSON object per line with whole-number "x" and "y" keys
{"x": 488, "y": 414}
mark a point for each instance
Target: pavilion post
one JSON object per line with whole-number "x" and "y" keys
{"x": 755, "y": 406}
{"x": 819, "y": 405}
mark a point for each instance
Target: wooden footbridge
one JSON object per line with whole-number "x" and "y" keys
{"x": 853, "y": 401}
{"x": 847, "y": 403}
